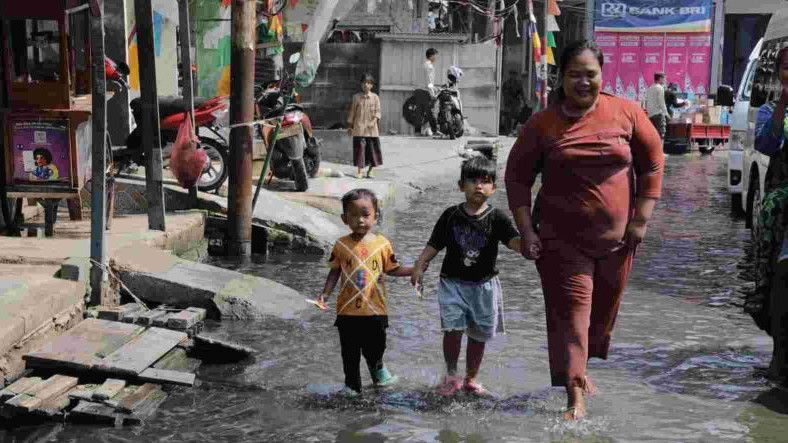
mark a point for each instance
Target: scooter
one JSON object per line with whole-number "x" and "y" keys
{"x": 172, "y": 112}
{"x": 450, "y": 118}
{"x": 296, "y": 152}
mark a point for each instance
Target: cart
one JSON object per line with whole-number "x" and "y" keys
{"x": 681, "y": 138}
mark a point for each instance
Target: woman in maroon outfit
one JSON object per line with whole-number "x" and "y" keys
{"x": 601, "y": 163}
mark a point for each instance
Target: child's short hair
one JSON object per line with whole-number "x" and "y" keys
{"x": 478, "y": 167}
{"x": 358, "y": 194}
{"x": 367, "y": 77}
{"x": 44, "y": 153}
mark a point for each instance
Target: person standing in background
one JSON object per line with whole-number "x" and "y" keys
{"x": 429, "y": 71}
{"x": 655, "y": 106}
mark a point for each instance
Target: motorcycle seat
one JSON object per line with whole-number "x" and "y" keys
{"x": 168, "y": 105}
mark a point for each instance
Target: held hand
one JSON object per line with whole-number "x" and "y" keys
{"x": 415, "y": 276}
{"x": 531, "y": 246}
{"x": 635, "y": 233}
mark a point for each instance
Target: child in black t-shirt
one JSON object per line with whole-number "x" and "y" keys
{"x": 469, "y": 293}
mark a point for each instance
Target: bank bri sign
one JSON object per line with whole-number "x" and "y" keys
{"x": 653, "y": 15}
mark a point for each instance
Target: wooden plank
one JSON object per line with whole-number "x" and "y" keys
{"x": 146, "y": 318}
{"x": 110, "y": 388}
{"x": 161, "y": 321}
{"x": 135, "y": 356}
{"x": 91, "y": 412}
{"x": 83, "y": 392}
{"x": 167, "y": 376}
{"x": 221, "y": 350}
{"x": 130, "y": 402}
{"x": 18, "y": 387}
{"x": 53, "y": 387}
{"x": 54, "y": 406}
{"x": 178, "y": 360}
{"x": 201, "y": 312}
{"x": 83, "y": 346}
{"x": 115, "y": 313}
{"x": 183, "y": 320}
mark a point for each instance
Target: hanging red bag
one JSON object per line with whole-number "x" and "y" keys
{"x": 187, "y": 160}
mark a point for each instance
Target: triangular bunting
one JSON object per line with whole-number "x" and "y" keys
{"x": 552, "y": 8}
{"x": 551, "y": 40}
{"x": 293, "y": 3}
{"x": 552, "y": 24}
{"x": 549, "y": 56}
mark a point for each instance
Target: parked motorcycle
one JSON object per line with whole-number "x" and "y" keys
{"x": 296, "y": 152}
{"x": 172, "y": 112}
{"x": 450, "y": 118}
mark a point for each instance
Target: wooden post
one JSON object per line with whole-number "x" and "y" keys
{"x": 239, "y": 203}
{"x": 143, "y": 14}
{"x": 98, "y": 196}
{"x": 184, "y": 35}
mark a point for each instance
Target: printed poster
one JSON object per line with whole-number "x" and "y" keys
{"x": 676, "y": 60}
{"x": 652, "y": 60}
{"x": 40, "y": 151}
{"x": 698, "y": 62}
{"x": 608, "y": 43}
{"x": 629, "y": 51}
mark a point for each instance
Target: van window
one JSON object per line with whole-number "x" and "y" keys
{"x": 745, "y": 93}
{"x": 763, "y": 86}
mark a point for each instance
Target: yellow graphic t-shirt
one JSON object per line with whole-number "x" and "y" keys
{"x": 363, "y": 264}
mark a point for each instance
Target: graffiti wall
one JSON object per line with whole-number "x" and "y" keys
{"x": 165, "y": 46}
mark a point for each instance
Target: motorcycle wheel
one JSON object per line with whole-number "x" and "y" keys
{"x": 280, "y": 164}
{"x": 299, "y": 175}
{"x": 448, "y": 125}
{"x": 215, "y": 172}
{"x": 312, "y": 163}
{"x": 456, "y": 125}
{"x": 413, "y": 112}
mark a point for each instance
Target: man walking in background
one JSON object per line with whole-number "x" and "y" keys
{"x": 654, "y": 104}
{"x": 429, "y": 71}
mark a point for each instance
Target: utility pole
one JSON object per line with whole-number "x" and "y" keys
{"x": 239, "y": 204}
{"x": 184, "y": 35}
{"x": 590, "y": 11}
{"x": 98, "y": 196}
{"x": 143, "y": 17}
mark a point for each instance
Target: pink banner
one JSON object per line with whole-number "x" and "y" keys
{"x": 653, "y": 59}
{"x": 698, "y": 63}
{"x": 629, "y": 76}
{"x": 631, "y": 59}
{"x": 676, "y": 59}
{"x": 608, "y": 43}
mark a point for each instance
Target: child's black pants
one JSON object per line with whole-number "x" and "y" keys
{"x": 361, "y": 336}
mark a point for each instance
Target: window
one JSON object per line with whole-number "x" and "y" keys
{"x": 745, "y": 93}
{"x": 78, "y": 44}
{"x": 766, "y": 85}
{"x": 35, "y": 50}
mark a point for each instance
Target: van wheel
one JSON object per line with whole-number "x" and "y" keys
{"x": 753, "y": 216}
{"x": 736, "y": 206}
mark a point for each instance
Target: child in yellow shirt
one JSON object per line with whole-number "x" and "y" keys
{"x": 358, "y": 262}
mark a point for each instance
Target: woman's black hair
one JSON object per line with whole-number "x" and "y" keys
{"x": 44, "y": 153}
{"x": 367, "y": 77}
{"x": 358, "y": 194}
{"x": 478, "y": 167}
{"x": 572, "y": 50}
{"x": 430, "y": 52}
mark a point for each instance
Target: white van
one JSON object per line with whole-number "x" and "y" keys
{"x": 759, "y": 86}
{"x": 739, "y": 124}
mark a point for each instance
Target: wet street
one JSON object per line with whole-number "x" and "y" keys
{"x": 682, "y": 367}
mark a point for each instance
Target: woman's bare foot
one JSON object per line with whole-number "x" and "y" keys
{"x": 575, "y": 404}
{"x": 590, "y": 387}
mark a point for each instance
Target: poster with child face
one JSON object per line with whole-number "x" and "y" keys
{"x": 40, "y": 151}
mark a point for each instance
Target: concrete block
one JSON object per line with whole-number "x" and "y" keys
{"x": 76, "y": 269}
{"x": 117, "y": 313}
{"x": 183, "y": 320}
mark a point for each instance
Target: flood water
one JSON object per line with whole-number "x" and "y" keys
{"x": 682, "y": 367}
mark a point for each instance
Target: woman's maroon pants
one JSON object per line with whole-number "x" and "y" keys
{"x": 582, "y": 296}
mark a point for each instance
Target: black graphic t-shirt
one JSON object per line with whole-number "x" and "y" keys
{"x": 471, "y": 242}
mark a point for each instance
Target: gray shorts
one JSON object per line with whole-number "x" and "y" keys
{"x": 473, "y": 307}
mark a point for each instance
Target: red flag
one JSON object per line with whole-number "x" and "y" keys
{"x": 293, "y": 3}
{"x": 304, "y": 26}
